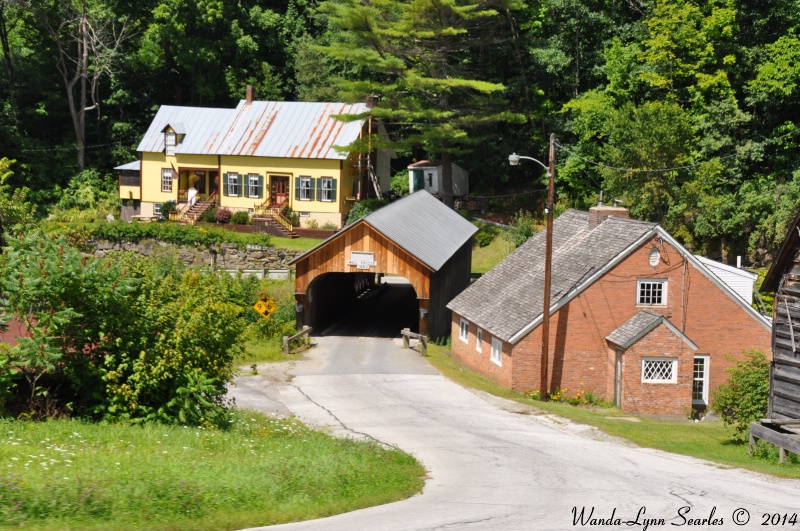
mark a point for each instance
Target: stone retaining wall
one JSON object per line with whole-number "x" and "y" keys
{"x": 223, "y": 256}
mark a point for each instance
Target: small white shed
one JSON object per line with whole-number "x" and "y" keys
{"x": 427, "y": 175}
{"x": 738, "y": 280}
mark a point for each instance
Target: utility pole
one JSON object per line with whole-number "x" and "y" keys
{"x": 548, "y": 259}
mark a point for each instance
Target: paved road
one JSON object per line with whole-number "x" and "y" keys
{"x": 491, "y": 466}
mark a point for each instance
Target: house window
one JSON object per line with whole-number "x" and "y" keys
{"x": 479, "y": 339}
{"x": 659, "y": 370}
{"x": 463, "y": 334}
{"x": 169, "y": 143}
{"x": 254, "y": 190}
{"x": 326, "y": 189}
{"x": 166, "y": 180}
{"x": 497, "y": 351}
{"x": 305, "y": 189}
{"x": 651, "y": 292}
{"x": 233, "y": 184}
{"x": 430, "y": 180}
{"x": 157, "y": 209}
{"x": 700, "y": 380}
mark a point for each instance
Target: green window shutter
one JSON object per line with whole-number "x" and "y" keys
{"x": 224, "y": 184}
{"x": 319, "y": 189}
{"x": 297, "y": 188}
{"x": 260, "y": 186}
{"x": 333, "y": 189}
{"x": 311, "y": 192}
{"x": 240, "y": 184}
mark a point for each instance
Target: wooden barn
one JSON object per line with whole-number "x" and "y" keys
{"x": 417, "y": 238}
{"x": 782, "y": 425}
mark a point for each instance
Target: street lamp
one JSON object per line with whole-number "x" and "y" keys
{"x": 514, "y": 159}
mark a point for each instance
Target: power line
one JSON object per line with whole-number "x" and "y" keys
{"x": 753, "y": 147}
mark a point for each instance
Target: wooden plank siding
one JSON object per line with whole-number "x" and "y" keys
{"x": 391, "y": 259}
{"x": 784, "y": 400}
{"x": 449, "y": 281}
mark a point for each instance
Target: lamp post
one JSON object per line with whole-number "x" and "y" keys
{"x": 514, "y": 159}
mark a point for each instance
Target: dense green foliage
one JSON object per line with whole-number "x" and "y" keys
{"x": 165, "y": 232}
{"x": 74, "y": 475}
{"x": 127, "y": 339}
{"x": 522, "y": 227}
{"x": 744, "y": 397}
{"x": 687, "y": 111}
{"x": 362, "y": 208}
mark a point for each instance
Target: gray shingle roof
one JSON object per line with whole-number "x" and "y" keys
{"x": 635, "y": 328}
{"x": 510, "y": 296}
{"x": 423, "y": 226}
{"x": 260, "y": 128}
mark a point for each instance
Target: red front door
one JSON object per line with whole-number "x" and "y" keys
{"x": 280, "y": 189}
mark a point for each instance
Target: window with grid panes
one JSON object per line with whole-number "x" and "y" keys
{"x": 305, "y": 188}
{"x": 651, "y": 292}
{"x": 463, "y": 333}
{"x": 659, "y": 370}
{"x": 233, "y": 184}
{"x": 497, "y": 351}
{"x": 253, "y": 190}
{"x": 166, "y": 180}
{"x": 326, "y": 184}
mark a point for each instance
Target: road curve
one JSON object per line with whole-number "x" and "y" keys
{"x": 493, "y": 469}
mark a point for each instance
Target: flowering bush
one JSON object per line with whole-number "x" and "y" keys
{"x": 222, "y": 215}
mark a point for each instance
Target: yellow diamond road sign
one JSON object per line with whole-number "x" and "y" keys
{"x": 266, "y": 307}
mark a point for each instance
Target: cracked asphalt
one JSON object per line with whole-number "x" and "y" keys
{"x": 496, "y": 465}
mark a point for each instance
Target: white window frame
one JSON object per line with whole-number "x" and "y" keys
{"x": 325, "y": 192}
{"x": 157, "y": 209}
{"x": 170, "y": 141}
{"x": 252, "y": 184}
{"x": 305, "y": 189}
{"x": 463, "y": 332}
{"x": 166, "y": 180}
{"x": 705, "y": 379}
{"x": 233, "y": 184}
{"x": 479, "y": 339}
{"x": 674, "y": 370}
{"x": 497, "y": 352}
{"x": 640, "y": 283}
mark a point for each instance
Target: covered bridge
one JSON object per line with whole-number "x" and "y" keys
{"x": 417, "y": 238}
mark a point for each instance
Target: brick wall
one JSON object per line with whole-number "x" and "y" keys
{"x": 481, "y": 362}
{"x": 579, "y": 356}
{"x": 657, "y": 398}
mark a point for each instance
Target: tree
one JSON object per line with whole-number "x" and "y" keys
{"x": 745, "y": 396}
{"x": 15, "y": 211}
{"x": 88, "y": 46}
{"x": 418, "y": 56}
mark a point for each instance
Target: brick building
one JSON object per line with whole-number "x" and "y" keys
{"x": 635, "y": 318}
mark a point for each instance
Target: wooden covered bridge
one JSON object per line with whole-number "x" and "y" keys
{"x": 417, "y": 238}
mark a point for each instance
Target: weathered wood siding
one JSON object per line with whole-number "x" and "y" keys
{"x": 449, "y": 281}
{"x": 784, "y": 399}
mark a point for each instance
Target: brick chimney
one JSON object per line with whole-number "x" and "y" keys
{"x": 599, "y": 213}
{"x": 248, "y": 98}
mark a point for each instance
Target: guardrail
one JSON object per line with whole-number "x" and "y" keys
{"x": 408, "y": 335}
{"x": 287, "y": 340}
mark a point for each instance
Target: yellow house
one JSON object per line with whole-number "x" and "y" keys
{"x": 261, "y": 157}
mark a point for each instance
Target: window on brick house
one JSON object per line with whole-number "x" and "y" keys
{"x": 463, "y": 333}
{"x": 479, "y": 339}
{"x": 651, "y": 292}
{"x": 659, "y": 370}
{"x": 497, "y": 351}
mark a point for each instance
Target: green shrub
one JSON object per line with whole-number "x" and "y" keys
{"x": 329, "y": 226}
{"x": 744, "y": 397}
{"x": 486, "y": 234}
{"x": 208, "y": 216}
{"x": 240, "y": 217}
{"x": 522, "y": 228}
{"x": 399, "y": 183}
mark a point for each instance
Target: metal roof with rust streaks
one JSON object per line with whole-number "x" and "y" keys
{"x": 260, "y": 129}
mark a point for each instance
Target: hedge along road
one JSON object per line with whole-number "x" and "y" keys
{"x": 492, "y": 468}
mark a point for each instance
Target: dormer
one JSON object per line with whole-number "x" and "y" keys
{"x": 173, "y": 135}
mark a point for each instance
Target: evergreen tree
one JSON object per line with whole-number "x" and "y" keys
{"x": 418, "y": 57}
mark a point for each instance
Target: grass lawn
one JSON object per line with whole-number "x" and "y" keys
{"x": 485, "y": 258}
{"x": 709, "y": 440}
{"x": 298, "y": 244}
{"x": 62, "y": 475}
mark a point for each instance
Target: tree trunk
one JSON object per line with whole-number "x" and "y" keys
{"x": 447, "y": 179}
